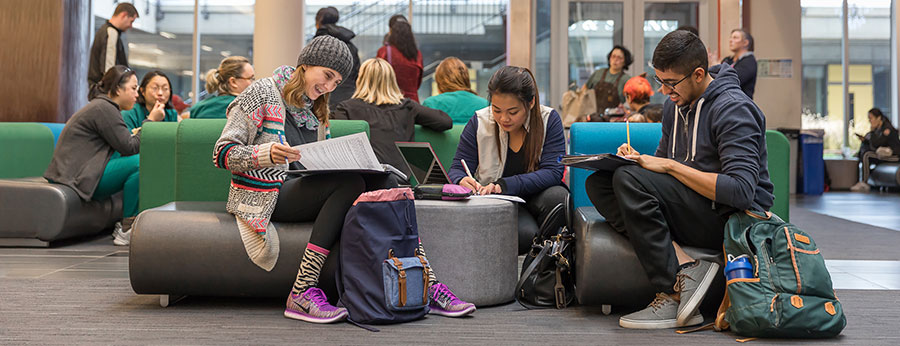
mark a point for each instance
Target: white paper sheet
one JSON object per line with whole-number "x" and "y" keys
{"x": 347, "y": 152}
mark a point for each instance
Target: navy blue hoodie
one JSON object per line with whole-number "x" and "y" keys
{"x": 722, "y": 132}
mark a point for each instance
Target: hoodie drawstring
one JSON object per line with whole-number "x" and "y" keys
{"x": 693, "y": 153}
{"x": 696, "y": 122}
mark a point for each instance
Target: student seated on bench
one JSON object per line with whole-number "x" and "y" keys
{"x": 96, "y": 153}
{"x": 264, "y": 122}
{"x": 710, "y": 163}
{"x": 512, "y": 147}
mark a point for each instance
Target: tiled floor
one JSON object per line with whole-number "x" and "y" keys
{"x": 874, "y": 208}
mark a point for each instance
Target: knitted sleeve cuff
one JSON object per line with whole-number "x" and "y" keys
{"x": 264, "y": 155}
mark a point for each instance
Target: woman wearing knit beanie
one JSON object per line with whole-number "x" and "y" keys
{"x": 264, "y": 122}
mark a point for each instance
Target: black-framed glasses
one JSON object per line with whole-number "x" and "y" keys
{"x": 668, "y": 84}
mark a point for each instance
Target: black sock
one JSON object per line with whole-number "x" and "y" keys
{"x": 687, "y": 265}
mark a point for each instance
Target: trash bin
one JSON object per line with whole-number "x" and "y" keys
{"x": 811, "y": 175}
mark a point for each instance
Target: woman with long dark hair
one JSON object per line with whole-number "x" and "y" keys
{"x": 511, "y": 148}
{"x": 880, "y": 144}
{"x": 154, "y": 101}
{"x": 404, "y": 56}
{"x": 96, "y": 153}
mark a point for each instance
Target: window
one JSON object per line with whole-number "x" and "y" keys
{"x": 226, "y": 29}
{"x": 473, "y": 31}
{"x": 594, "y": 28}
{"x": 156, "y": 42}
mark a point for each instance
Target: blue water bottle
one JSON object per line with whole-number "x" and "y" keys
{"x": 739, "y": 267}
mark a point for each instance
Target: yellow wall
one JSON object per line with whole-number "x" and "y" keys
{"x": 863, "y": 97}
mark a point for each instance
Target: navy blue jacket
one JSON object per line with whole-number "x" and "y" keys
{"x": 728, "y": 137}
{"x": 548, "y": 174}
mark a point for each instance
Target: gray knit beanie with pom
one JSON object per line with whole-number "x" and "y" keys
{"x": 327, "y": 51}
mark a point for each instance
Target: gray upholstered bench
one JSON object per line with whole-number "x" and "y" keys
{"x": 193, "y": 248}
{"x": 885, "y": 174}
{"x": 607, "y": 271}
{"x": 35, "y": 213}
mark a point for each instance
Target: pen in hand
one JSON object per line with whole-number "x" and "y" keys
{"x": 469, "y": 174}
{"x": 281, "y": 140}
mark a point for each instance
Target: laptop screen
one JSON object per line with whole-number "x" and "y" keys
{"x": 422, "y": 162}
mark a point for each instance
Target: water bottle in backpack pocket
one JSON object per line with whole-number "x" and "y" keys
{"x": 789, "y": 293}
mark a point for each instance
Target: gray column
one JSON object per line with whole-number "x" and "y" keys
{"x": 76, "y": 51}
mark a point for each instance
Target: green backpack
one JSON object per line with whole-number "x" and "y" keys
{"x": 790, "y": 294}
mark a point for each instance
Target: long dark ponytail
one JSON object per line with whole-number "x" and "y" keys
{"x": 112, "y": 80}
{"x": 519, "y": 82}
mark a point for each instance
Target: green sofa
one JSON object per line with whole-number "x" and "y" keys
{"x": 25, "y": 149}
{"x": 176, "y": 160}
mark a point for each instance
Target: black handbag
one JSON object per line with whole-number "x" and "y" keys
{"x": 548, "y": 275}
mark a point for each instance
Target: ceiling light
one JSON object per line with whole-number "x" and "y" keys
{"x": 206, "y": 48}
{"x": 167, "y": 35}
{"x": 225, "y": 53}
{"x": 187, "y": 72}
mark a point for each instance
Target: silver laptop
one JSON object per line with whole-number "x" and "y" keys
{"x": 423, "y": 162}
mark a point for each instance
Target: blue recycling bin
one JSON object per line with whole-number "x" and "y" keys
{"x": 812, "y": 165}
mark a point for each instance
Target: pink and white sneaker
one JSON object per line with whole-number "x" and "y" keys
{"x": 312, "y": 306}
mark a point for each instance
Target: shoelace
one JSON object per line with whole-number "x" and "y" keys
{"x": 657, "y": 302}
{"x": 444, "y": 296}
{"x": 317, "y": 297}
{"x": 679, "y": 281}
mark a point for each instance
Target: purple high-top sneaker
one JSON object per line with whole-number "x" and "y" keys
{"x": 312, "y": 306}
{"x": 445, "y": 303}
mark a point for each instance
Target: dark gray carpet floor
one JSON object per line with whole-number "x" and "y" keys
{"x": 108, "y": 312}
{"x": 847, "y": 240}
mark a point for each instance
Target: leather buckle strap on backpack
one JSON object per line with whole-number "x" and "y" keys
{"x": 425, "y": 271}
{"x": 402, "y": 276}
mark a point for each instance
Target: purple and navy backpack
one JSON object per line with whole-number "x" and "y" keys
{"x": 380, "y": 279}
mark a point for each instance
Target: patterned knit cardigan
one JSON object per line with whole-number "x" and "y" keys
{"x": 255, "y": 123}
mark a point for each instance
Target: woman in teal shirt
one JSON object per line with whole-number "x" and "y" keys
{"x": 231, "y": 78}
{"x": 457, "y": 98}
{"x": 154, "y": 101}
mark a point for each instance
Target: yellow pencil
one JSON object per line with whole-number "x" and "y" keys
{"x": 628, "y": 135}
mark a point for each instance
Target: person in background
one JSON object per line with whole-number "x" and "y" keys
{"x": 402, "y": 53}
{"x": 233, "y": 75}
{"x": 154, "y": 101}
{"x": 264, "y": 123}
{"x": 512, "y": 147}
{"x": 742, "y": 59}
{"x": 326, "y": 20}
{"x": 108, "y": 49}
{"x": 879, "y": 145}
{"x": 609, "y": 82}
{"x": 391, "y": 117}
{"x": 637, "y": 98}
{"x": 96, "y": 154}
{"x": 456, "y": 96}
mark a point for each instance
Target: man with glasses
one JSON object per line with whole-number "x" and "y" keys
{"x": 710, "y": 163}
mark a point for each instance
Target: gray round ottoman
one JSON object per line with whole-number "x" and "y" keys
{"x": 472, "y": 246}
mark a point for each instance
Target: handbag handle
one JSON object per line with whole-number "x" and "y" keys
{"x": 527, "y": 273}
